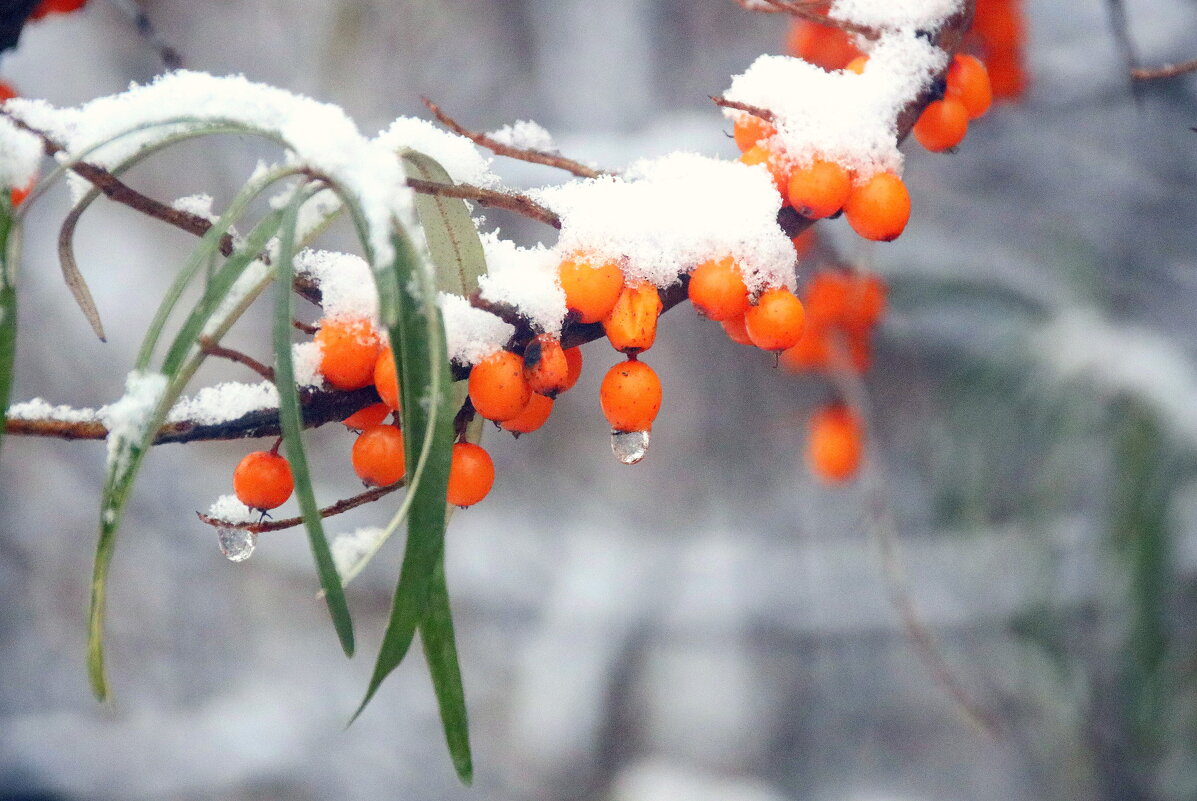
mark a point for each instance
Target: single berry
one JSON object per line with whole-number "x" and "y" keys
{"x": 879, "y": 208}
{"x": 348, "y": 352}
{"x": 7, "y": 92}
{"x": 591, "y": 287}
{"x": 821, "y": 45}
{"x": 546, "y": 367}
{"x": 471, "y": 474}
{"x": 368, "y": 417}
{"x": 812, "y": 352}
{"x": 573, "y": 358}
{"x": 386, "y": 381}
{"x": 532, "y": 417}
{"x": 47, "y": 7}
{"x": 717, "y": 289}
{"x": 498, "y": 388}
{"x": 835, "y": 443}
{"x": 630, "y": 396}
{"x": 829, "y": 297}
{"x": 378, "y": 456}
{"x": 17, "y": 196}
{"x": 632, "y": 324}
{"x": 776, "y": 321}
{"x": 942, "y": 125}
{"x": 736, "y": 332}
{"x": 819, "y": 189}
{"x": 867, "y": 303}
{"x": 263, "y": 480}
{"x": 748, "y": 129}
{"x": 968, "y": 82}
{"x": 759, "y": 154}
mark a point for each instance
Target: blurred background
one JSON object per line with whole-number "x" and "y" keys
{"x": 712, "y": 623}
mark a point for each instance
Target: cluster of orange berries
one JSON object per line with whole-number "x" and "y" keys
{"x": 967, "y": 95}
{"x": 18, "y": 194}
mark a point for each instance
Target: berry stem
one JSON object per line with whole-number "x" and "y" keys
{"x": 212, "y": 348}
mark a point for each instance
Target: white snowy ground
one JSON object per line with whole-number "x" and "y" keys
{"x": 707, "y": 624}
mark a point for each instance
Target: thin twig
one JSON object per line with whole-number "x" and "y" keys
{"x": 528, "y": 154}
{"x": 807, "y": 10}
{"x": 756, "y": 111}
{"x": 341, "y": 506}
{"x": 213, "y": 348}
{"x": 520, "y": 204}
{"x": 307, "y": 328}
{"x": 1165, "y": 71}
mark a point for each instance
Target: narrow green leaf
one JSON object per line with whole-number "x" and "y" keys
{"x": 8, "y": 306}
{"x": 291, "y": 417}
{"x": 127, "y": 451}
{"x": 418, "y": 342}
{"x": 449, "y": 229}
{"x": 440, "y": 650}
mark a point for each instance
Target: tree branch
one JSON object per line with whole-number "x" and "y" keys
{"x": 523, "y": 154}
{"x": 1165, "y": 71}
{"x": 341, "y": 506}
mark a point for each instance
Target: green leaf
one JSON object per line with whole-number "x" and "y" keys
{"x": 291, "y": 418}
{"x": 422, "y": 362}
{"x": 440, "y": 650}
{"x": 126, "y": 452}
{"x": 8, "y": 306}
{"x": 449, "y": 229}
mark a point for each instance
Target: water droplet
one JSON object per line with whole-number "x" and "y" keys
{"x": 236, "y": 544}
{"x": 629, "y": 447}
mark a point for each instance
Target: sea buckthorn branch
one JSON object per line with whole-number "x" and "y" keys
{"x": 510, "y": 201}
{"x": 521, "y": 153}
{"x": 213, "y": 348}
{"x": 756, "y": 111}
{"x": 1164, "y": 71}
{"x": 808, "y": 10}
{"x": 340, "y": 507}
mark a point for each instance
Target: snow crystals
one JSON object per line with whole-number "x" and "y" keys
{"x": 525, "y": 134}
{"x": 127, "y": 419}
{"x": 22, "y": 153}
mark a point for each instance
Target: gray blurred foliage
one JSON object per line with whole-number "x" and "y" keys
{"x": 710, "y": 624}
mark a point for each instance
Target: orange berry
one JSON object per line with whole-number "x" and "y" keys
{"x": 48, "y": 7}
{"x": 819, "y": 190}
{"x": 867, "y": 303}
{"x": 857, "y": 65}
{"x": 968, "y": 82}
{"x": 545, "y": 366}
{"x": 378, "y": 456}
{"x": 498, "y": 388}
{"x": 828, "y": 299}
{"x": 630, "y": 396}
{"x": 386, "y": 381}
{"x": 821, "y": 45}
{"x": 17, "y": 196}
{"x": 776, "y": 321}
{"x": 471, "y": 474}
{"x": 368, "y": 417}
{"x": 632, "y": 324}
{"x": 879, "y": 208}
{"x": 532, "y": 417}
{"x": 748, "y": 129}
{"x": 811, "y": 352}
{"x": 573, "y": 358}
{"x": 591, "y": 289}
{"x": 717, "y": 289}
{"x": 835, "y": 443}
{"x": 736, "y": 332}
{"x": 1007, "y": 77}
{"x": 7, "y": 92}
{"x": 942, "y": 125}
{"x": 759, "y": 154}
{"x": 263, "y": 480}
{"x": 348, "y": 352}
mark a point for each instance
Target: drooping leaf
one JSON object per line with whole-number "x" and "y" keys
{"x": 449, "y": 229}
{"x": 291, "y": 418}
{"x": 440, "y": 650}
{"x": 70, "y": 268}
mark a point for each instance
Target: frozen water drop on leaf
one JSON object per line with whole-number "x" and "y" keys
{"x": 236, "y": 544}
{"x": 629, "y": 447}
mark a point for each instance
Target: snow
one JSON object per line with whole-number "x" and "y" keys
{"x": 348, "y": 550}
{"x": 841, "y": 116}
{"x": 346, "y": 286}
{"x": 305, "y": 360}
{"x": 922, "y": 14}
{"x": 40, "y": 409}
{"x": 128, "y": 418}
{"x": 224, "y": 402}
{"x": 459, "y": 156}
{"x": 200, "y": 205}
{"x": 231, "y": 510}
{"x": 471, "y": 334}
{"x": 317, "y": 135}
{"x": 525, "y": 134}
{"x": 22, "y": 153}
{"x": 665, "y": 216}
{"x": 525, "y": 278}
